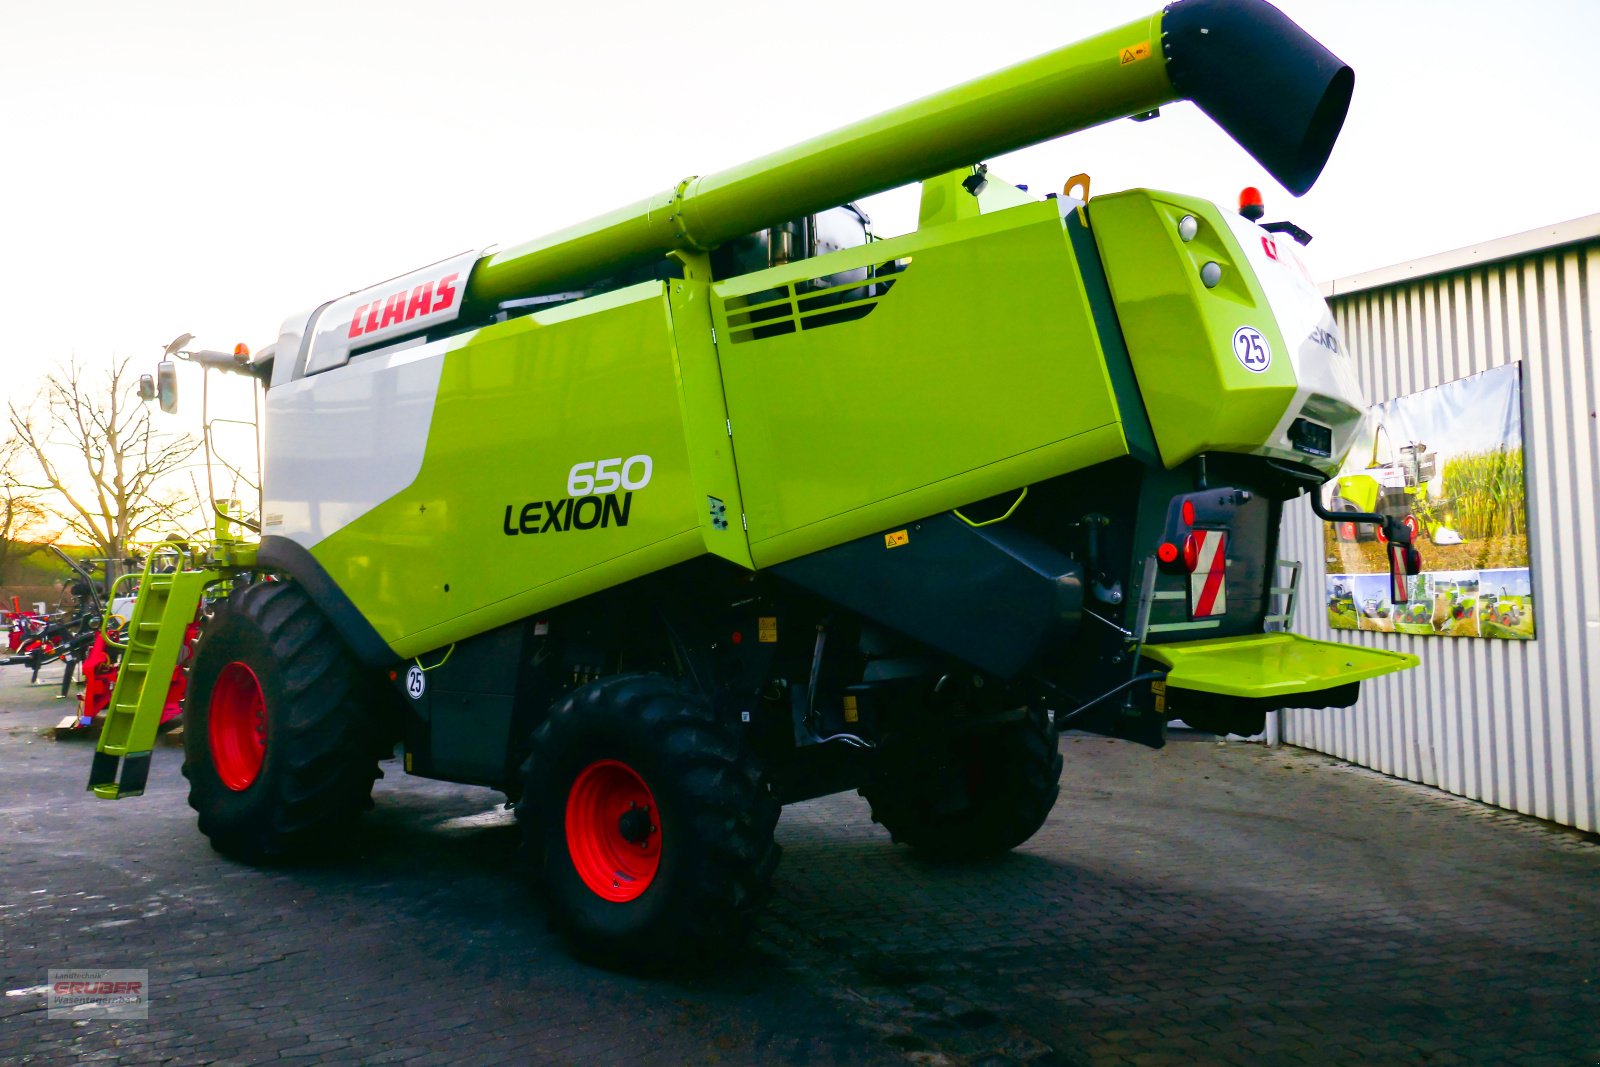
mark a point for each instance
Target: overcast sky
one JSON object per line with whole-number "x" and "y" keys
{"x": 212, "y": 167}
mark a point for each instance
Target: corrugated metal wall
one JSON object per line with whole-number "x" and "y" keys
{"x": 1514, "y": 724}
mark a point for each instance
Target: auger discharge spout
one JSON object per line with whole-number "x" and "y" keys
{"x": 1277, "y": 91}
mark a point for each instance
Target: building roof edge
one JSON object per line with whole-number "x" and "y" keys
{"x": 1556, "y": 235}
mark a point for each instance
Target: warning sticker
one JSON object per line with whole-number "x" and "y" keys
{"x": 767, "y": 629}
{"x": 896, "y": 539}
{"x": 1135, "y": 52}
{"x": 1208, "y": 585}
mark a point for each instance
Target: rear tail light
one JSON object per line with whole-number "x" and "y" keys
{"x": 1192, "y": 518}
{"x": 1191, "y": 553}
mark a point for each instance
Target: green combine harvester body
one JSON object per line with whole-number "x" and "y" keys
{"x": 720, "y": 501}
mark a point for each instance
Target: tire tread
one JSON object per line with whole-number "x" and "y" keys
{"x": 327, "y": 769}
{"x": 733, "y": 814}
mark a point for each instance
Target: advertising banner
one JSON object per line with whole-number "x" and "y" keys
{"x": 1448, "y": 463}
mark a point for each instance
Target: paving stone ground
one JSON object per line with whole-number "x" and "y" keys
{"x": 1206, "y": 904}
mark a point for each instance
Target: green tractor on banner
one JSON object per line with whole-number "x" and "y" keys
{"x": 1408, "y": 487}
{"x": 1503, "y": 608}
{"x": 720, "y": 502}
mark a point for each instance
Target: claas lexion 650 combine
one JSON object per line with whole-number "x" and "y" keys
{"x": 717, "y": 502}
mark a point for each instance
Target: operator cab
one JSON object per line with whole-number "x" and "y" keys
{"x": 807, "y": 237}
{"x": 837, "y": 228}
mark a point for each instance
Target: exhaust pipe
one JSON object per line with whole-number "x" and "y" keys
{"x": 1226, "y": 55}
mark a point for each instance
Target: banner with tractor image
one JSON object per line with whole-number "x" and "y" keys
{"x": 1448, "y": 463}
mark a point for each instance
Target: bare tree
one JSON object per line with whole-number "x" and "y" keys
{"x": 23, "y": 528}
{"x": 100, "y": 461}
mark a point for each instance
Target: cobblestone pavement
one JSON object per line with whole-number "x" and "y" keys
{"x": 1204, "y": 904}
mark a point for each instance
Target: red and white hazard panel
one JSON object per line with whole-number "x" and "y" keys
{"x": 1208, "y": 586}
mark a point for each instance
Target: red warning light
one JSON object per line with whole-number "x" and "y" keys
{"x": 241, "y": 350}
{"x": 1191, "y": 553}
{"x": 1188, "y": 513}
{"x": 1250, "y": 205}
{"x": 1167, "y": 553}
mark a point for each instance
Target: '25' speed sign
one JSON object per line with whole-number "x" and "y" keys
{"x": 1252, "y": 349}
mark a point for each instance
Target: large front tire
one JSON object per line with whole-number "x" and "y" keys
{"x": 969, "y": 796}
{"x": 278, "y": 735}
{"x": 649, "y": 823}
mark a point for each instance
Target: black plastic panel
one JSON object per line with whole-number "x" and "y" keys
{"x": 992, "y": 597}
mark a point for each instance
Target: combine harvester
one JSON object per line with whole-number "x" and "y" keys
{"x": 1409, "y": 488}
{"x": 716, "y": 502}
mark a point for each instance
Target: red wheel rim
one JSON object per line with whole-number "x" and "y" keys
{"x": 237, "y": 726}
{"x": 1411, "y": 523}
{"x": 1347, "y": 531}
{"x": 613, "y": 831}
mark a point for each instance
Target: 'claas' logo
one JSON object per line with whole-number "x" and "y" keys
{"x": 404, "y": 306}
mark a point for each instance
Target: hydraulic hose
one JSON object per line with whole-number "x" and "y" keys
{"x": 1147, "y": 676}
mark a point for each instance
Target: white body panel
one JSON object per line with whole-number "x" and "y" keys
{"x": 341, "y": 444}
{"x": 291, "y": 337}
{"x": 1328, "y": 392}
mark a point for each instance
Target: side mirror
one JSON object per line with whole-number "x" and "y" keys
{"x": 167, "y": 385}
{"x": 147, "y": 388}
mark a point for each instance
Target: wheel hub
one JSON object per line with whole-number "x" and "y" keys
{"x": 635, "y": 825}
{"x": 612, "y": 831}
{"x": 237, "y": 726}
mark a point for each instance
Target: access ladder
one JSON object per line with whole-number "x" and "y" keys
{"x": 166, "y": 605}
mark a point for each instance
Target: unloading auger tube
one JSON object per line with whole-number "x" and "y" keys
{"x": 1227, "y": 56}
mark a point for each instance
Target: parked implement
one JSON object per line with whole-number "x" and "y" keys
{"x": 719, "y": 502}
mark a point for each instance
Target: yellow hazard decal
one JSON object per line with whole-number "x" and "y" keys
{"x": 767, "y": 629}
{"x": 1135, "y": 52}
{"x": 896, "y": 539}
{"x": 851, "y": 712}
{"x": 1159, "y": 688}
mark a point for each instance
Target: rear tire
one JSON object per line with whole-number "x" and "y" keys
{"x": 968, "y": 796}
{"x": 278, "y": 733}
{"x": 682, "y": 880}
